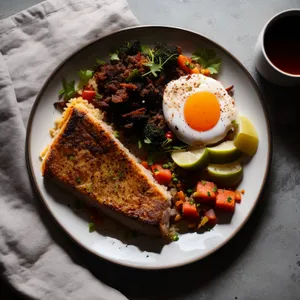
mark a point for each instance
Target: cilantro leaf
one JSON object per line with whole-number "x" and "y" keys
{"x": 84, "y": 76}
{"x": 114, "y": 56}
{"x": 155, "y": 67}
{"x": 208, "y": 59}
{"x": 68, "y": 91}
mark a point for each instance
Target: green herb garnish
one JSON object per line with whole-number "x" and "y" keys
{"x": 229, "y": 199}
{"x": 78, "y": 180}
{"x": 189, "y": 191}
{"x": 92, "y": 227}
{"x": 133, "y": 74}
{"x": 208, "y": 59}
{"x": 150, "y": 160}
{"x": 175, "y": 179}
{"x": 171, "y": 164}
{"x": 208, "y": 194}
{"x": 190, "y": 65}
{"x": 166, "y": 142}
{"x": 147, "y": 141}
{"x": 84, "y": 76}
{"x": 192, "y": 201}
{"x": 71, "y": 157}
{"x": 145, "y": 49}
{"x": 116, "y": 134}
{"x": 68, "y": 91}
{"x": 155, "y": 67}
{"x": 114, "y": 56}
{"x": 140, "y": 145}
{"x": 98, "y": 96}
{"x": 203, "y": 182}
{"x": 100, "y": 62}
{"x": 214, "y": 189}
{"x": 166, "y": 166}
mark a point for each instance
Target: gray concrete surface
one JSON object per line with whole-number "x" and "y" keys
{"x": 263, "y": 260}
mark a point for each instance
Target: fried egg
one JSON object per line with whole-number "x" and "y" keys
{"x": 198, "y": 109}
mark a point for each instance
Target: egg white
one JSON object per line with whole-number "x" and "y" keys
{"x": 175, "y": 95}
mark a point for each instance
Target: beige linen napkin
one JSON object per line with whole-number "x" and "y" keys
{"x": 32, "y": 44}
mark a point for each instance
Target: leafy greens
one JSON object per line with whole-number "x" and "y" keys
{"x": 208, "y": 59}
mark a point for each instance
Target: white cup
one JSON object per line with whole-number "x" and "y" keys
{"x": 262, "y": 63}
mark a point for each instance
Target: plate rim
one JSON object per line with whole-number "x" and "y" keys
{"x": 32, "y": 176}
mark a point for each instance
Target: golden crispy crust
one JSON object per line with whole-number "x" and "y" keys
{"x": 86, "y": 156}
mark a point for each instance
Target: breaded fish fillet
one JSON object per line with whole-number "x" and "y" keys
{"x": 86, "y": 157}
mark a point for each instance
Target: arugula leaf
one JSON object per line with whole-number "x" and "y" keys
{"x": 114, "y": 56}
{"x": 68, "y": 91}
{"x": 154, "y": 67}
{"x": 208, "y": 59}
{"x": 85, "y": 76}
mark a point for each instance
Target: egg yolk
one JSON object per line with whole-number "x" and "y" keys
{"x": 202, "y": 111}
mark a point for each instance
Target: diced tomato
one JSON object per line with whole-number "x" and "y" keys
{"x": 169, "y": 135}
{"x": 88, "y": 95}
{"x": 178, "y": 204}
{"x": 238, "y": 196}
{"x": 225, "y": 200}
{"x": 205, "y": 191}
{"x": 162, "y": 176}
{"x": 211, "y": 215}
{"x": 145, "y": 164}
{"x": 190, "y": 210}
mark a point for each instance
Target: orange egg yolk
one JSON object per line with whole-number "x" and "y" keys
{"x": 202, "y": 111}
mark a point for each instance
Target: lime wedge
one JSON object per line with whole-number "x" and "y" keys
{"x": 224, "y": 153}
{"x": 226, "y": 175}
{"x": 246, "y": 139}
{"x": 193, "y": 159}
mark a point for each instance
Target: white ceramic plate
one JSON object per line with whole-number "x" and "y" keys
{"x": 113, "y": 243}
